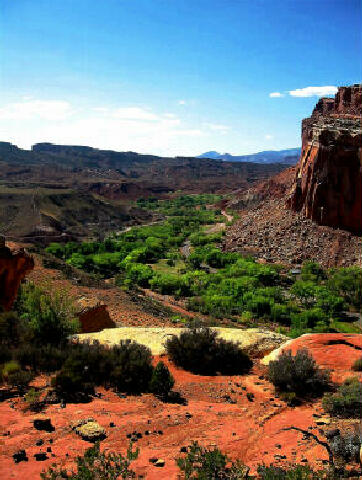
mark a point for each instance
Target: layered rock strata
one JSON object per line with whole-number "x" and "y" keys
{"x": 328, "y": 183}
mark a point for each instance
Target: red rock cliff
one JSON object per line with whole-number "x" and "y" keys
{"x": 328, "y": 184}
{"x": 14, "y": 265}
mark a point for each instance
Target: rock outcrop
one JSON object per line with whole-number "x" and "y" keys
{"x": 14, "y": 265}
{"x": 93, "y": 315}
{"x": 328, "y": 182}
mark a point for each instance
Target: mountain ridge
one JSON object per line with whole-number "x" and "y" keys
{"x": 288, "y": 156}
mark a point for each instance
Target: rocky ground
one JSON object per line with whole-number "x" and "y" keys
{"x": 274, "y": 233}
{"x": 242, "y": 415}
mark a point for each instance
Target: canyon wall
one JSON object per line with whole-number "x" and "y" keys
{"x": 14, "y": 265}
{"x": 327, "y": 187}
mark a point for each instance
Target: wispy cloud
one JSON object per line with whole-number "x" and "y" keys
{"x": 217, "y": 127}
{"x": 268, "y": 137}
{"x": 314, "y": 91}
{"x": 181, "y": 102}
{"x": 119, "y": 128}
{"x": 41, "y": 109}
{"x": 276, "y": 95}
{"x": 307, "y": 92}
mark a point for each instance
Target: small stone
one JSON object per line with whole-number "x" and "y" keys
{"x": 20, "y": 456}
{"x": 39, "y": 442}
{"x": 43, "y": 424}
{"x": 160, "y": 463}
{"x": 41, "y": 456}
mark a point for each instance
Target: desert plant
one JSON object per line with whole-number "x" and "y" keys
{"x": 209, "y": 464}
{"x": 297, "y": 472}
{"x": 32, "y": 398}
{"x": 132, "y": 369}
{"x": 346, "y": 447}
{"x": 357, "y": 366}
{"x": 49, "y": 317}
{"x": 95, "y": 464}
{"x": 161, "y": 381}
{"x": 346, "y": 401}
{"x": 299, "y": 374}
{"x": 200, "y": 351}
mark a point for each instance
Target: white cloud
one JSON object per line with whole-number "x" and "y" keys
{"x": 119, "y": 128}
{"x": 216, "y": 127}
{"x": 135, "y": 113}
{"x": 268, "y": 137}
{"x": 181, "y": 102}
{"x": 276, "y": 95}
{"x": 42, "y": 109}
{"x": 313, "y": 91}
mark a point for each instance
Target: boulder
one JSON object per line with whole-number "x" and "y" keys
{"x": 93, "y": 315}
{"x": 91, "y": 431}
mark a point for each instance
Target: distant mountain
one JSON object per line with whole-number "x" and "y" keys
{"x": 289, "y": 156}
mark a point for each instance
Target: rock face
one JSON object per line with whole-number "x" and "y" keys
{"x": 93, "y": 315}
{"x": 328, "y": 183}
{"x": 14, "y": 265}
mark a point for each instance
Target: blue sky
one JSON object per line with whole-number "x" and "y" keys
{"x": 171, "y": 77}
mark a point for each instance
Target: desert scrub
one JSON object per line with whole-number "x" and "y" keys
{"x": 206, "y": 464}
{"x": 298, "y": 374}
{"x": 95, "y": 464}
{"x": 200, "y": 351}
{"x": 357, "y": 366}
{"x": 346, "y": 402}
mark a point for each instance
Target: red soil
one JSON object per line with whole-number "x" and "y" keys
{"x": 249, "y": 431}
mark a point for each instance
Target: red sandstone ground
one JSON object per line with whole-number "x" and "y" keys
{"x": 250, "y": 431}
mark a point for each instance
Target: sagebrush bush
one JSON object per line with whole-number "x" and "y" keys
{"x": 126, "y": 367}
{"x": 299, "y": 374}
{"x": 346, "y": 401}
{"x": 200, "y": 351}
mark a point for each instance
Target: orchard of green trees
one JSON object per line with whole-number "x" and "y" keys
{"x": 216, "y": 283}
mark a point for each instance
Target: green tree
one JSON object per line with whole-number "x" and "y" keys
{"x": 162, "y": 381}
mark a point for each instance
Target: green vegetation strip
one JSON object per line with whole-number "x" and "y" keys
{"x": 179, "y": 258}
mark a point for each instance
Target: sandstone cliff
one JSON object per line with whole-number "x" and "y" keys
{"x": 328, "y": 183}
{"x": 14, "y": 265}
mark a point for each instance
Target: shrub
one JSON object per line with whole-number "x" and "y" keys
{"x": 299, "y": 374}
{"x": 32, "y": 398}
{"x": 298, "y": 472}
{"x": 133, "y": 368}
{"x": 73, "y": 381}
{"x": 207, "y": 464}
{"x": 357, "y": 366}
{"x": 9, "y": 330}
{"x": 42, "y": 358}
{"x": 162, "y": 381}
{"x": 13, "y": 375}
{"x": 346, "y": 401}
{"x": 95, "y": 464}
{"x": 50, "y": 318}
{"x": 200, "y": 351}
{"x": 346, "y": 447}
